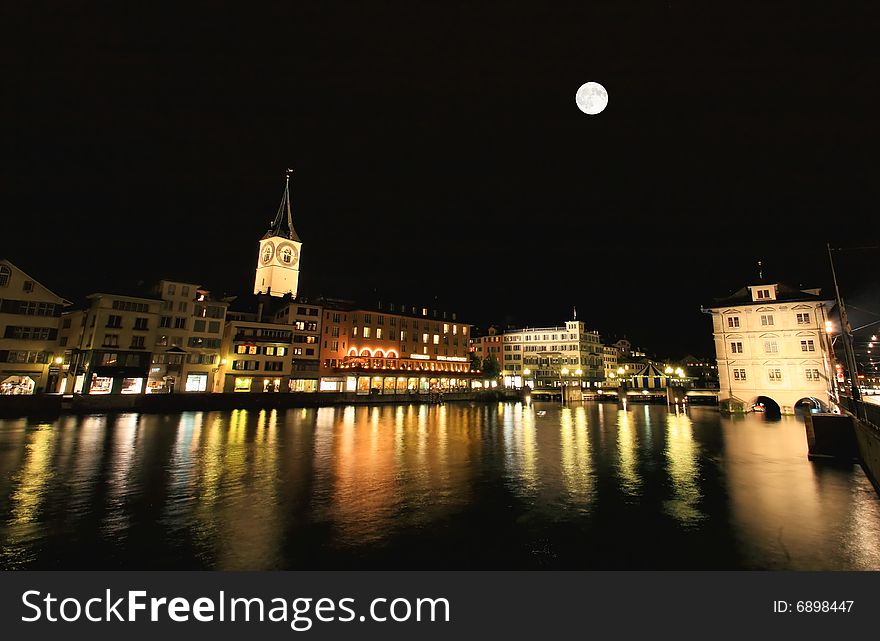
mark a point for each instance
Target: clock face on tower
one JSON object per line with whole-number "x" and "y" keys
{"x": 287, "y": 254}
{"x": 267, "y": 253}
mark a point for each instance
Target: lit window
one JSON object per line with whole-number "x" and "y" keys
{"x": 366, "y": 332}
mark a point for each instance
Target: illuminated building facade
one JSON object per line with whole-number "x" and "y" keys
{"x": 186, "y": 355}
{"x": 610, "y": 360}
{"x": 553, "y": 356}
{"x": 109, "y": 344}
{"x": 393, "y": 349}
{"x": 30, "y": 319}
{"x": 771, "y": 342}
{"x": 487, "y": 345}
{"x": 304, "y": 320}
{"x": 256, "y": 355}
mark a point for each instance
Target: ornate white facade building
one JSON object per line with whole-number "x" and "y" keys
{"x": 771, "y": 345}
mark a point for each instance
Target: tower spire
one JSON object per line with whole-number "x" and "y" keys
{"x": 277, "y": 225}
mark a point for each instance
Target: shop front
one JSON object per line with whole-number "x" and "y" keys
{"x": 18, "y": 384}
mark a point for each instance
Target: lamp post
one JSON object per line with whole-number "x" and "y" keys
{"x": 621, "y": 384}
{"x": 846, "y": 332}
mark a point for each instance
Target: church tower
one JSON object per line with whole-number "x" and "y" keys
{"x": 278, "y": 260}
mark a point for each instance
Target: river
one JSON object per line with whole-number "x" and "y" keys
{"x": 454, "y": 486}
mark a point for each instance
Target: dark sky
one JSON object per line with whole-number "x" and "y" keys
{"x": 439, "y": 152}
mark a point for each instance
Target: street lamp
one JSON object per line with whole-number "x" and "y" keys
{"x": 526, "y": 373}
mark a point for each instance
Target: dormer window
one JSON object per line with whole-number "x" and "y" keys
{"x": 763, "y": 292}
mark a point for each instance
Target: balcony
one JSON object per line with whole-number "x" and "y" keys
{"x": 242, "y": 338}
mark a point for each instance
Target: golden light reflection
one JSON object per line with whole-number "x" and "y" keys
{"x": 627, "y": 453}
{"x": 780, "y": 502}
{"x": 576, "y": 464}
{"x": 35, "y": 474}
{"x": 364, "y": 492}
{"x": 529, "y": 452}
{"x": 237, "y": 491}
{"x": 681, "y": 461}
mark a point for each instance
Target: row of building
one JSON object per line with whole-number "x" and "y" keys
{"x": 179, "y": 337}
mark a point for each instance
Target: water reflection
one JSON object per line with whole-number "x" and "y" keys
{"x": 627, "y": 451}
{"x": 576, "y": 468}
{"x": 455, "y": 485}
{"x": 682, "y": 461}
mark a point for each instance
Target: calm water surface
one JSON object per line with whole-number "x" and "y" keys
{"x": 436, "y": 487}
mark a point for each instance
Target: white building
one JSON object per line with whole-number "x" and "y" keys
{"x": 544, "y": 357}
{"x": 108, "y": 344}
{"x": 30, "y": 316}
{"x": 186, "y": 354}
{"x": 772, "y": 348}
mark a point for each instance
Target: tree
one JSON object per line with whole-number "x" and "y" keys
{"x": 491, "y": 367}
{"x": 476, "y": 363}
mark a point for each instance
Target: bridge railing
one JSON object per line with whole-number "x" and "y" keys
{"x": 869, "y": 412}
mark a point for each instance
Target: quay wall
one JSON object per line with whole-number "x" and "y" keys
{"x": 868, "y": 439}
{"x": 51, "y": 405}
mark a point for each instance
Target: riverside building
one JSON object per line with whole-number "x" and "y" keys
{"x": 108, "y": 344}
{"x": 393, "y": 349}
{"x": 772, "y": 348}
{"x": 186, "y": 355}
{"x": 30, "y": 319}
{"x": 548, "y": 357}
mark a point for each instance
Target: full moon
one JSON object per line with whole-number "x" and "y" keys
{"x": 591, "y": 98}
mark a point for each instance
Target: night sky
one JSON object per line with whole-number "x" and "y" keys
{"x": 439, "y": 152}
